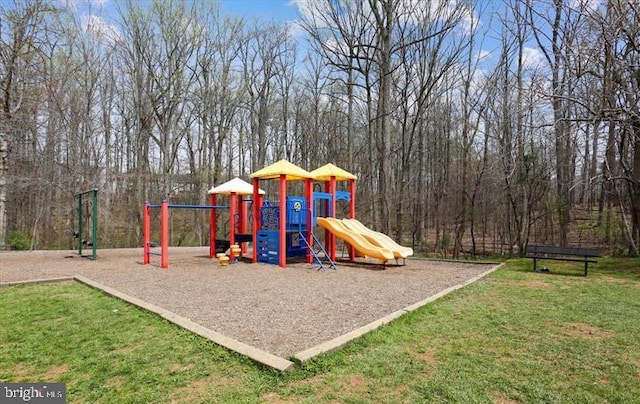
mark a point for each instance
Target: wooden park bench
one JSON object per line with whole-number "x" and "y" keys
{"x": 575, "y": 254}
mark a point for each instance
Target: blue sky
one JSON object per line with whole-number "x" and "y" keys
{"x": 276, "y": 10}
{"x": 269, "y": 10}
{"x": 100, "y": 13}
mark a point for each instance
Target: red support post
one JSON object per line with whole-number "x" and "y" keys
{"x": 146, "y": 233}
{"x": 164, "y": 234}
{"x": 327, "y": 233}
{"x": 352, "y": 199}
{"x": 332, "y": 237}
{"x": 283, "y": 222}
{"x": 255, "y": 220}
{"x": 243, "y": 228}
{"x": 213, "y": 200}
{"x": 308, "y": 194}
{"x": 232, "y": 222}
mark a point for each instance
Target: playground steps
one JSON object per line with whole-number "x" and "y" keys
{"x": 316, "y": 252}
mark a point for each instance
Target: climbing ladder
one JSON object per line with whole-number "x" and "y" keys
{"x": 317, "y": 258}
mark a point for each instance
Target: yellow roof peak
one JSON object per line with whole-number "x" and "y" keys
{"x": 329, "y": 170}
{"x": 282, "y": 167}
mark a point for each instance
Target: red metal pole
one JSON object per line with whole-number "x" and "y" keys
{"x": 283, "y": 222}
{"x": 327, "y": 204}
{"x": 243, "y": 208}
{"x": 308, "y": 193}
{"x": 213, "y": 200}
{"x": 164, "y": 236}
{"x": 232, "y": 222}
{"x": 254, "y": 221}
{"x": 146, "y": 238}
{"x": 332, "y": 237}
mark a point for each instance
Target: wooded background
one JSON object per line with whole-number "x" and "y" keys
{"x": 474, "y": 127}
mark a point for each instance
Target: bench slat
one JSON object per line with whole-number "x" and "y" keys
{"x": 547, "y": 249}
{"x": 543, "y": 257}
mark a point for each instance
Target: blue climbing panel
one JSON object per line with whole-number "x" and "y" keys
{"x": 268, "y": 246}
{"x": 270, "y": 217}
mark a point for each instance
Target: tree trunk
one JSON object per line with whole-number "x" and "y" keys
{"x": 4, "y": 170}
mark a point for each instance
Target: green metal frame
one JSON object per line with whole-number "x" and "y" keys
{"x": 94, "y": 221}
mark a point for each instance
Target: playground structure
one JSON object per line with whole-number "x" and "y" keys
{"x": 289, "y": 224}
{"x": 164, "y": 207}
{"x": 235, "y": 189}
{"x": 79, "y": 235}
{"x": 279, "y": 229}
{"x": 284, "y": 228}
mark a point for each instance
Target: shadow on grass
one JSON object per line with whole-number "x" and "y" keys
{"x": 557, "y": 272}
{"x": 628, "y": 268}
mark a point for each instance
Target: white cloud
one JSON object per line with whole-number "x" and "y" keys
{"x": 531, "y": 57}
{"x": 98, "y": 3}
{"x": 470, "y": 21}
{"x": 100, "y": 29}
{"x": 589, "y": 5}
{"x": 483, "y": 55}
{"x": 294, "y": 29}
{"x": 311, "y": 10}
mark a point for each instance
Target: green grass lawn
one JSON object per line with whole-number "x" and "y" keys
{"x": 515, "y": 336}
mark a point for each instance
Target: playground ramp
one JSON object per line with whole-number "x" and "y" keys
{"x": 359, "y": 242}
{"x": 379, "y": 239}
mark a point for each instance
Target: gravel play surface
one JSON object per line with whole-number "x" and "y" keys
{"x": 281, "y": 311}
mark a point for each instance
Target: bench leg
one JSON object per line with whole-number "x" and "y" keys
{"x": 586, "y": 264}
{"x": 535, "y": 269}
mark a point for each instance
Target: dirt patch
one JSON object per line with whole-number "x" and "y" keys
{"x": 529, "y": 283}
{"x": 281, "y": 311}
{"x": 398, "y": 391}
{"x": 22, "y": 371}
{"x": 500, "y": 355}
{"x": 619, "y": 281}
{"x": 191, "y": 392}
{"x": 582, "y": 330}
{"x": 179, "y": 367}
{"x": 275, "y": 398}
{"x": 117, "y": 382}
{"x": 355, "y": 383}
{"x": 55, "y": 372}
{"x": 500, "y": 398}
{"x": 316, "y": 384}
{"x": 198, "y": 390}
{"x": 428, "y": 355}
{"x": 196, "y": 385}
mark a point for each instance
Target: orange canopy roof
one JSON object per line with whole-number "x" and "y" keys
{"x": 282, "y": 167}
{"x": 329, "y": 170}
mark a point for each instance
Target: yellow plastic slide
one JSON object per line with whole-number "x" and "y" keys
{"x": 379, "y": 239}
{"x": 361, "y": 244}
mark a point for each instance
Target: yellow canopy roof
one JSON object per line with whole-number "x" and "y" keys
{"x": 237, "y": 186}
{"x": 329, "y": 170}
{"x": 282, "y": 167}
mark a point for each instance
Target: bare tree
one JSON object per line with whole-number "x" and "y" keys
{"x": 621, "y": 89}
{"x": 259, "y": 54}
{"x": 22, "y": 45}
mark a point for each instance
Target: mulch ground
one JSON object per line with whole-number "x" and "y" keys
{"x": 281, "y": 311}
